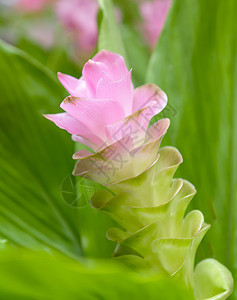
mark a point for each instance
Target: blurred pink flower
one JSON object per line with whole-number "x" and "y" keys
{"x": 31, "y": 5}
{"x": 80, "y": 18}
{"x": 154, "y": 14}
{"x": 42, "y": 33}
{"x": 105, "y": 113}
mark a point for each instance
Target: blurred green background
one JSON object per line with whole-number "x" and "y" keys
{"x": 194, "y": 62}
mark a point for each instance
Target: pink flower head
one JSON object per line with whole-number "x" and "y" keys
{"x": 31, "y": 5}
{"x": 80, "y": 18}
{"x": 105, "y": 113}
{"x": 154, "y": 14}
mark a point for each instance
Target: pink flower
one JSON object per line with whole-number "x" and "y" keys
{"x": 105, "y": 113}
{"x": 31, "y": 5}
{"x": 80, "y": 18}
{"x": 154, "y": 14}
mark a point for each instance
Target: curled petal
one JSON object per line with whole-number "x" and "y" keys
{"x": 65, "y": 121}
{"x": 146, "y": 94}
{"x": 73, "y": 126}
{"x": 134, "y": 125}
{"x": 122, "y": 160}
{"x": 94, "y": 114}
{"x": 104, "y": 165}
{"x": 86, "y": 142}
{"x": 120, "y": 91}
{"x": 213, "y": 281}
{"x": 75, "y": 87}
{"x": 93, "y": 72}
{"x": 81, "y": 154}
{"x": 114, "y": 62}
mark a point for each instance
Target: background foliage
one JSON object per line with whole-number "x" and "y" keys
{"x": 195, "y": 64}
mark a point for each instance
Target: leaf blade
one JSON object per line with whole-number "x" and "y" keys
{"x": 195, "y": 63}
{"x": 32, "y": 168}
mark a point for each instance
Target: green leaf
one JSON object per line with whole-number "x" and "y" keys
{"x": 109, "y": 32}
{"x": 41, "y": 204}
{"x": 35, "y": 158}
{"x": 27, "y": 275}
{"x": 124, "y": 39}
{"x": 56, "y": 58}
{"x": 129, "y": 10}
{"x": 138, "y": 53}
{"x": 195, "y": 64}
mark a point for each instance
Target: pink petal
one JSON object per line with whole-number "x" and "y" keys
{"x": 65, "y": 121}
{"x": 81, "y": 154}
{"x": 158, "y": 128}
{"x": 75, "y": 87}
{"x": 94, "y": 71}
{"x": 73, "y": 126}
{"x": 80, "y": 19}
{"x": 70, "y": 83}
{"x": 137, "y": 122}
{"x": 94, "y": 114}
{"x": 31, "y": 5}
{"x": 103, "y": 165}
{"x": 120, "y": 91}
{"x": 121, "y": 161}
{"x": 147, "y": 93}
{"x": 86, "y": 142}
{"x": 154, "y": 14}
{"x": 105, "y": 66}
{"x": 146, "y": 155}
{"x": 114, "y": 62}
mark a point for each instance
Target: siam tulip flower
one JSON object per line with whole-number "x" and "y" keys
{"x": 154, "y": 233}
{"x": 42, "y": 32}
{"x": 31, "y": 5}
{"x": 80, "y": 18}
{"x": 105, "y": 113}
{"x": 154, "y": 14}
{"x": 148, "y": 204}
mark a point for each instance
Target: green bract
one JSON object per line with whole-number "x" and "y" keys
{"x": 153, "y": 231}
